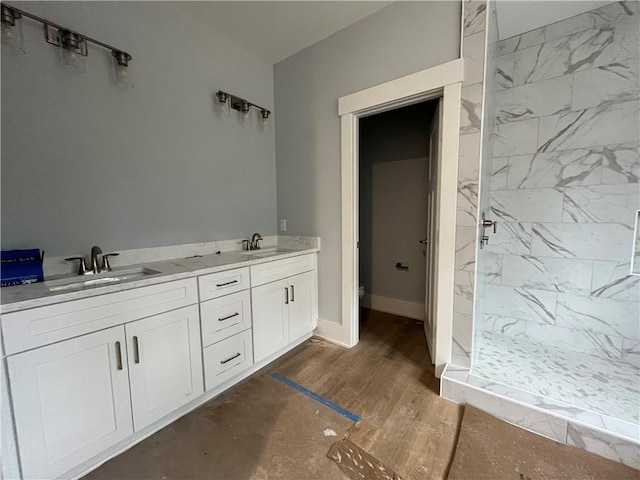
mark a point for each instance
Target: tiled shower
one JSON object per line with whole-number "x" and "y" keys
{"x": 557, "y": 314}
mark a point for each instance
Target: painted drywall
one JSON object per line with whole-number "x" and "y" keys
{"x": 403, "y": 38}
{"x": 85, "y": 162}
{"x": 392, "y": 201}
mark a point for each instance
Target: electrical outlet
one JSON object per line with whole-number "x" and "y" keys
{"x": 283, "y": 225}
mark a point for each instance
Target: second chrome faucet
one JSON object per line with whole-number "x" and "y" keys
{"x": 95, "y": 267}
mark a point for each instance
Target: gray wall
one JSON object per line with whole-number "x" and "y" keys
{"x": 392, "y": 199}
{"x": 401, "y": 39}
{"x": 86, "y": 162}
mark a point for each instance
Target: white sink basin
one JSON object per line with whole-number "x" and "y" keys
{"x": 78, "y": 282}
{"x": 265, "y": 252}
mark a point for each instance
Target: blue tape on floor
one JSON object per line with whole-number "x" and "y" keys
{"x": 315, "y": 396}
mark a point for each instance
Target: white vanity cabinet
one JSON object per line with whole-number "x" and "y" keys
{"x": 75, "y": 398}
{"x": 71, "y": 401}
{"x": 284, "y": 309}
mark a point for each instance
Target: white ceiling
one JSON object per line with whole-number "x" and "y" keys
{"x": 520, "y": 16}
{"x": 277, "y": 30}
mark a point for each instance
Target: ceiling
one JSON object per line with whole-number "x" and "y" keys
{"x": 520, "y": 16}
{"x": 277, "y": 30}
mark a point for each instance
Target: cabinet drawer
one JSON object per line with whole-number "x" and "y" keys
{"x": 279, "y": 269}
{"x": 227, "y": 358}
{"x": 223, "y": 283}
{"x": 43, "y": 325}
{"x": 225, "y": 316}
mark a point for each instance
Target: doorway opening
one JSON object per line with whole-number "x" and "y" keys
{"x": 397, "y": 155}
{"x": 443, "y": 82}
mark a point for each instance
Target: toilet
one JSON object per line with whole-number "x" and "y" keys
{"x": 361, "y": 292}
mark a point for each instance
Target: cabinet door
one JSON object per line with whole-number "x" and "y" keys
{"x": 71, "y": 401}
{"x": 270, "y": 327}
{"x": 301, "y": 304}
{"x": 165, "y": 363}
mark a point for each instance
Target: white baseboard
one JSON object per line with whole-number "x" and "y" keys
{"x": 331, "y": 332}
{"x": 394, "y": 306}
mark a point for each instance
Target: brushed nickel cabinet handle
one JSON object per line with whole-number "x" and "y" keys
{"x": 293, "y": 294}
{"x": 226, "y": 283}
{"x": 286, "y": 296}
{"x": 230, "y": 358}
{"x": 228, "y": 317}
{"x": 118, "y": 356}
{"x": 136, "y": 350}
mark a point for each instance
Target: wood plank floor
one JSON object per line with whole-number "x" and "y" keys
{"x": 388, "y": 380}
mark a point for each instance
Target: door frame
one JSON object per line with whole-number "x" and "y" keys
{"x": 444, "y": 81}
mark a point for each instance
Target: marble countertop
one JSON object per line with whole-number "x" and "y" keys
{"x": 34, "y": 295}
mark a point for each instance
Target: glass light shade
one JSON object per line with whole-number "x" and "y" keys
{"x": 122, "y": 75}
{"x": 245, "y": 114}
{"x": 222, "y": 104}
{"x": 73, "y": 61}
{"x": 12, "y": 39}
{"x": 265, "y": 122}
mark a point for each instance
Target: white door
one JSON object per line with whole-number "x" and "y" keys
{"x": 301, "y": 301}
{"x": 71, "y": 401}
{"x": 269, "y": 304}
{"x": 165, "y": 363}
{"x": 431, "y": 245}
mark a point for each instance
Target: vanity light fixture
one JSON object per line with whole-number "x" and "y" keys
{"x": 73, "y": 45}
{"x": 226, "y": 101}
{"x": 12, "y": 29}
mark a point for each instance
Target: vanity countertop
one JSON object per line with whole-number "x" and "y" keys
{"x": 23, "y": 297}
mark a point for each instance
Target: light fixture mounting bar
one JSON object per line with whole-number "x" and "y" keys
{"x": 54, "y": 33}
{"x": 240, "y": 104}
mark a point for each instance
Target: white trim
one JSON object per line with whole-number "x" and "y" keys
{"x": 394, "y": 306}
{"x": 443, "y": 80}
{"x": 403, "y": 88}
{"x": 331, "y": 332}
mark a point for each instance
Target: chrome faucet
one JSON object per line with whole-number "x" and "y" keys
{"x": 254, "y": 244}
{"x": 95, "y": 267}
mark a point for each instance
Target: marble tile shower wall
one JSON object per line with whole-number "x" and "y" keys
{"x": 473, "y": 53}
{"x": 566, "y": 185}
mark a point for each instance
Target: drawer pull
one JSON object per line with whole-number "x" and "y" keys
{"x": 226, "y": 283}
{"x": 222, "y": 362}
{"x": 118, "y": 356}
{"x": 286, "y": 296}
{"x": 228, "y": 317}
{"x": 293, "y": 296}
{"x": 136, "y": 350}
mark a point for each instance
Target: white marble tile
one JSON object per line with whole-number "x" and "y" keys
{"x": 556, "y": 169}
{"x": 465, "y": 248}
{"x": 499, "y": 173}
{"x": 462, "y": 333}
{"x": 506, "y": 46}
{"x": 542, "y": 273}
{"x": 599, "y": 315}
{"x": 595, "y": 241}
{"x": 538, "y": 99}
{"x": 609, "y": 124}
{"x": 464, "y": 278}
{"x": 631, "y": 352}
{"x": 577, "y": 380}
{"x": 602, "y": 204}
{"x": 513, "y": 327}
{"x": 520, "y": 415}
{"x": 503, "y": 72}
{"x": 463, "y": 299}
{"x": 490, "y": 267}
{"x": 467, "y": 206}
{"x": 604, "y": 346}
{"x": 471, "y": 111}
{"x": 460, "y": 359}
{"x": 517, "y": 138}
{"x": 579, "y": 51}
{"x": 609, "y": 15}
{"x": 473, "y": 54}
{"x": 475, "y": 12}
{"x": 527, "y": 304}
{"x": 621, "y": 164}
{"x": 469, "y": 157}
{"x": 613, "y": 280}
{"x": 605, "y": 445}
{"x": 512, "y": 238}
{"x": 527, "y": 205}
{"x": 613, "y": 83}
